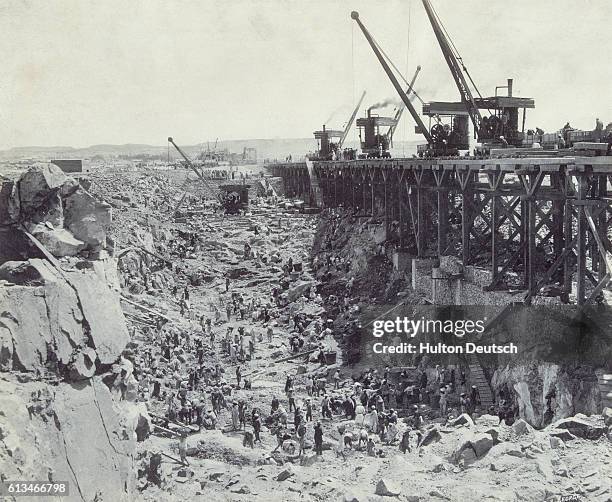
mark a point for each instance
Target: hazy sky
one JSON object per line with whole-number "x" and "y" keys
{"x": 80, "y": 72}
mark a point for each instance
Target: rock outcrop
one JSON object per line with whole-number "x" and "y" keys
{"x": 48, "y": 326}
{"x": 73, "y": 434}
{"x": 56, "y": 210}
{"x": 66, "y": 413}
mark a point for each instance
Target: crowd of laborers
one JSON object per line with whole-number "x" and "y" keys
{"x": 369, "y": 405}
{"x": 371, "y": 401}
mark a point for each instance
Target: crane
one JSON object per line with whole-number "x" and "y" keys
{"x": 404, "y": 97}
{"x": 400, "y": 110}
{"x": 225, "y": 201}
{"x": 457, "y": 69}
{"x": 350, "y": 122}
{"x": 187, "y": 159}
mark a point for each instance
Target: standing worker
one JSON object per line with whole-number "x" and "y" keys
{"x": 257, "y": 427}
{"x": 318, "y": 438}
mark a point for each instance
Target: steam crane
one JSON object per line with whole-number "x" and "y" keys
{"x": 349, "y": 124}
{"x": 226, "y": 196}
{"x": 400, "y": 110}
{"x": 453, "y": 63}
{"x": 327, "y": 148}
{"x": 187, "y": 159}
{"x": 501, "y": 128}
{"x": 404, "y": 97}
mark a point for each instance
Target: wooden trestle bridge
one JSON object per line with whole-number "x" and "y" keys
{"x": 541, "y": 225}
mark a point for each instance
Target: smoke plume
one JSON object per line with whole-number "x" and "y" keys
{"x": 385, "y": 102}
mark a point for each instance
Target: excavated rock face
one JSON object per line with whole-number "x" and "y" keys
{"x": 69, "y": 432}
{"x": 66, "y": 326}
{"x": 575, "y": 389}
{"x": 81, "y": 429}
{"x": 59, "y": 321}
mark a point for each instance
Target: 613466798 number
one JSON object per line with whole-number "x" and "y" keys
{"x": 29, "y": 488}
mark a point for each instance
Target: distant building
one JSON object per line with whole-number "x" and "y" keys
{"x": 69, "y": 165}
{"x": 249, "y": 155}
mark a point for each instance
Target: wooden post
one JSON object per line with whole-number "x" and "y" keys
{"x": 420, "y": 221}
{"x": 568, "y": 238}
{"x": 442, "y": 221}
{"x": 400, "y": 201}
{"x": 531, "y": 244}
{"x": 494, "y": 224}
{"x": 373, "y": 195}
{"x": 466, "y": 223}
{"x": 602, "y": 220}
{"x": 386, "y": 206}
{"x": 363, "y": 194}
{"x": 581, "y": 248}
{"x": 335, "y": 202}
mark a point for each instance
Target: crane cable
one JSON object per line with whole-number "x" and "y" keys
{"x": 353, "y": 60}
{"x": 407, "y": 60}
{"x": 396, "y": 69}
{"x": 457, "y": 54}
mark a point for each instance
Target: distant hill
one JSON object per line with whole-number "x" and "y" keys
{"x": 277, "y": 148}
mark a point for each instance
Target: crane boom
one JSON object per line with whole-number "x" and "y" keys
{"x": 422, "y": 128}
{"x": 456, "y": 69}
{"x": 350, "y": 122}
{"x": 400, "y": 110}
{"x": 187, "y": 159}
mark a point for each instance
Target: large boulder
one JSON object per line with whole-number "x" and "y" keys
{"x": 387, "y": 488}
{"x": 40, "y": 183}
{"x": 521, "y": 427}
{"x": 296, "y": 291}
{"x": 431, "y": 435}
{"x": 58, "y": 241}
{"x": 472, "y": 446}
{"x": 582, "y": 427}
{"x": 87, "y": 219}
{"x": 463, "y": 419}
{"x": 40, "y": 324}
{"x": 482, "y": 443}
{"x": 67, "y": 432}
